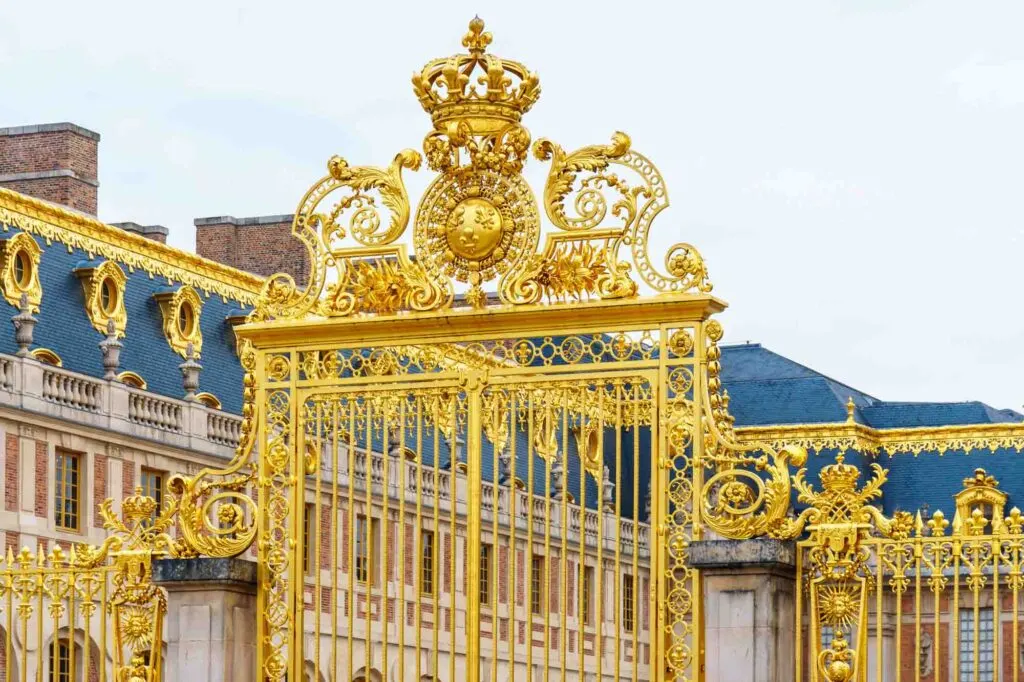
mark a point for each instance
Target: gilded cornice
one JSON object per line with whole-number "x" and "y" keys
{"x": 75, "y": 230}
{"x": 845, "y": 436}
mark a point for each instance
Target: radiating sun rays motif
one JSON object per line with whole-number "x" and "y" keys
{"x": 839, "y": 605}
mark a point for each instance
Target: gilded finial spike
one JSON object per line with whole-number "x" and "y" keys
{"x": 919, "y": 525}
{"x": 476, "y": 40}
{"x": 10, "y": 557}
{"x": 851, "y": 408}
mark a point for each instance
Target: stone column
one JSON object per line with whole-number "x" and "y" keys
{"x": 749, "y": 608}
{"x": 211, "y": 619}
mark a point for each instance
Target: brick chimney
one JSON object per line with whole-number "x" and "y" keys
{"x": 157, "y": 233}
{"x": 56, "y": 162}
{"x": 263, "y": 245}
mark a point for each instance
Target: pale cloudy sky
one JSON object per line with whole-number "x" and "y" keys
{"x": 852, "y": 171}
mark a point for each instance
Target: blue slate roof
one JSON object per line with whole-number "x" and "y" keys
{"x": 769, "y": 389}
{"x": 65, "y": 328}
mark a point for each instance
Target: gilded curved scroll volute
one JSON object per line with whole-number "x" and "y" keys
{"x": 220, "y": 494}
{"x": 590, "y": 203}
{"x": 749, "y": 493}
{"x": 837, "y": 663}
{"x": 615, "y": 195}
{"x": 355, "y": 265}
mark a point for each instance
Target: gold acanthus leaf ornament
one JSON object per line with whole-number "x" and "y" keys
{"x": 339, "y": 220}
{"x": 221, "y": 492}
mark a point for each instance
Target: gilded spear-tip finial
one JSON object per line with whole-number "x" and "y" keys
{"x": 476, "y": 40}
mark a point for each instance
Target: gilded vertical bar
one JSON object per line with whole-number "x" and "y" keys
{"x": 474, "y": 530}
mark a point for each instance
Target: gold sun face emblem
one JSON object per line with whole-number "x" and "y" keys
{"x": 839, "y": 605}
{"x": 474, "y": 228}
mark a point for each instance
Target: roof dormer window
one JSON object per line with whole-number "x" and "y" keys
{"x": 181, "y": 308}
{"x": 19, "y": 270}
{"x": 104, "y": 285}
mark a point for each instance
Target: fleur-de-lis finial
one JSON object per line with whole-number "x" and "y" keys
{"x": 476, "y": 39}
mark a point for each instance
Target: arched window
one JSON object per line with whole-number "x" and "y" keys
{"x": 60, "y": 663}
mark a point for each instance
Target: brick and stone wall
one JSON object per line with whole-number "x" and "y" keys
{"x": 262, "y": 245}
{"x": 56, "y": 162}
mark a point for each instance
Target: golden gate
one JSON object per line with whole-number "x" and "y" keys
{"x": 446, "y": 481}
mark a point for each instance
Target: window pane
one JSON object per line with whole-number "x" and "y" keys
{"x": 627, "y": 602}
{"x": 485, "y": 574}
{"x": 65, "y": 490}
{"x": 985, "y": 646}
{"x": 427, "y": 562}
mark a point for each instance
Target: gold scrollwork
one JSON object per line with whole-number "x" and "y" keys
{"x": 104, "y": 286}
{"x": 221, "y": 492}
{"x": 181, "y": 311}
{"x": 19, "y": 270}
{"x": 478, "y": 220}
{"x": 740, "y": 502}
{"x": 370, "y": 274}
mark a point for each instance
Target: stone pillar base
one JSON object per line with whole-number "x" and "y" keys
{"x": 749, "y": 608}
{"x": 211, "y": 619}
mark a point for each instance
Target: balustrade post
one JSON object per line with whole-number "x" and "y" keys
{"x": 749, "y": 608}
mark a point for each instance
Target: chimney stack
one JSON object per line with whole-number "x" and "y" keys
{"x": 263, "y": 245}
{"x": 157, "y": 233}
{"x": 56, "y": 162}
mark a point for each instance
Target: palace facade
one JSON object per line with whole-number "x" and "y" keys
{"x": 119, "y": 368}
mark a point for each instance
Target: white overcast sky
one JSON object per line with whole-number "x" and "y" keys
{"x": 852, "y": 171}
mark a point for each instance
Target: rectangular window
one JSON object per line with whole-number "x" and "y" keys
{"x": 66, "y": 489}
{"x": 307, "y": 539}
{"x": 153, "y": 486}
{"x": 427, "y": 562}
{"x": 627, "y": 603}
{"x": 985, "y": 646}
{"x": 828, "y": 633}
{"x": 586, "y": 590}
{"x": 60, "y": 663}
{"x": 536, "y": 583}
{"x": 485, "y": 574}
{"x": 366, "y": 547}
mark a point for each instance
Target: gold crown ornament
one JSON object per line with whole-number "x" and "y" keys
{"x": 479, "y": 221}
{"x": 138, "y": 507}
{"x": 839, "y": 476}
{"x": 481, "y": 91}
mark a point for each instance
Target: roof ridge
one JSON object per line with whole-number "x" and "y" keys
{"x": 799, "y": 364}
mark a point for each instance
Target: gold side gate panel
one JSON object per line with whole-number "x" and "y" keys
{"x": 456, "y": 482}
{"x": 901, "y": 598}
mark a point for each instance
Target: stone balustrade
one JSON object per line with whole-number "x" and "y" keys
{"x": 405, "y": 477}
{"x": 153, "y": 410}
{"x": 27, "y": 384}
{"x": 71, "y": 389}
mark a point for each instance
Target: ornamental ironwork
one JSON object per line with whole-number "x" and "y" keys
{"x": 478, "y": 222}
{"x": 473, "y": 392}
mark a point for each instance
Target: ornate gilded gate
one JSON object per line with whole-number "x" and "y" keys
{"x": 455, "y": 484}
{"x": 902, "y": 597}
